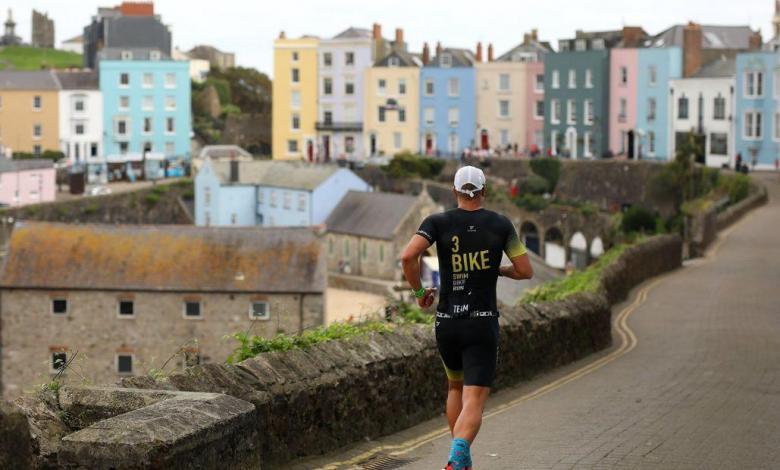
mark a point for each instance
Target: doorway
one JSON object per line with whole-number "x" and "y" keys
{"x": 630, "y": 139}
{"x": 484, "y": 142}
{"x": 428, "y": 144}
{"x": 571, "y": 142}
{"x": 310, "y": 150}
{"x": 326, "y": 148}
{"x": 372, "y": 144}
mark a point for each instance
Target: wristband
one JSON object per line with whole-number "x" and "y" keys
{"x": 419, "y": 293}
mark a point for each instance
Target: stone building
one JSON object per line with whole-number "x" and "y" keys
{"x": 367, "y": 231}
{"x": 216, "y": 58}
{"x": 42, "y": 30}
{"x": 121, "y": 300}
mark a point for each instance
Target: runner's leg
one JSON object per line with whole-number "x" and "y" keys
{"x": 470, "y": 419}
{"x": 454, "y": 402}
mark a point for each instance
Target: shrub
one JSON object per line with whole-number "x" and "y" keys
{"x": 407, "y": 165}
{"x": 737, "y": 186}
{"x": 531, "y": 202}
{"x": 152, "y": 198}
{"x": 549, "y": 169}
{"x": 534, "y": 184}
{"x": 638, "y": 219}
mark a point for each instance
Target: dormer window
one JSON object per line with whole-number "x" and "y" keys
{"x": 127, "y": 55}
{"x": 599, "y": 44}
{"x": 393, "y": 62}
{"x": 446, "y": 60}
{"x": 580, "y": 45}
{"x": 154, "y": 55}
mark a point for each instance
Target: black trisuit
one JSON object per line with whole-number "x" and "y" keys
{"x": 470, "y": 246}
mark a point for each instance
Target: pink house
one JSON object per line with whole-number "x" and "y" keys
{"x": 25, "y": 182}
{"x": 535, "y": 105}
{"x": 624, "y": 65}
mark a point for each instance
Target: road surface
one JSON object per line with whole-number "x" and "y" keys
{"x": 694, "y": 385}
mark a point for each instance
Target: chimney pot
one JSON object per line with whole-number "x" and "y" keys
{"x": 399, "y": 38}
{"x": 692, "y": 46}
{"x": 377, "y": 31}
{"x": 438, "y": 48}
{"x": 426, "y": 54}
{"x": 490, "y": 52}
{"x": 479, "y": 52}
{"x": 535, "y": 34}
{"x": 282, "y": 35}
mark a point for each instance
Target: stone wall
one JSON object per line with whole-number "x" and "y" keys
{"x": 317, "y": 400}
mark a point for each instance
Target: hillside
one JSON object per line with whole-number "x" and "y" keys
{"x": 33, "y": 58}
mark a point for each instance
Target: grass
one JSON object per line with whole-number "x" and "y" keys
{"x": 588, "y": 280}
{"x": 34, "y": 58}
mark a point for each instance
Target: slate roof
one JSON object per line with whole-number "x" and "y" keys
{"x": 139, "y": 53}
{"x": 353, "y": 33}
{"x": 292, "y": 175}
{"x": 137, "y": 32}
{"x": 406, "y": 59}
{"x": 373, "y": 215}
{"x": 713, "y": 37}
{"x": 8, "y": 166}
{"x": 460, "y": 57}
{"x": 28, "y": 80}
{"x": 164, "y": 258}
{"x": 720, "y": 68}
{"x": 539, "y": 47}
{"x": 78, "y": 80}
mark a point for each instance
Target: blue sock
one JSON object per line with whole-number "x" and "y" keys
{"x": 460, "y": 454}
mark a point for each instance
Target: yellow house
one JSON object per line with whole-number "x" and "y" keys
{"x": 29, "y": 111}
{"x": 392, "y": 104}
{"x": 295, "y": 98}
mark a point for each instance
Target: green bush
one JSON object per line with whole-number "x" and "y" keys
{"x": 638, "y": 219}
{"x": 549, "y": 169}
{"x": 408, "y": 165}
{"x": 152, "y": 198}
{"x": 737, "y": 186}
{"x": 531, "y": 202}
{"x": 534, "y": 184}
{"x": 53, "y": 155}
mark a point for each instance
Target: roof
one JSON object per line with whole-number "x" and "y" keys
{"x": 354, "y": 33}
{"x": 78, "y": 80}
{"x": 8, "y": 166}
{"x": 292, "y": 175}
{"x": 460, "y": 57}
{"x": 713, "y": 37}
{"x": 223, "y": 151}
{"x": 138, "y": 53}
{"x": 721, "y": 68}
{"x": 137, "y": 32}
{"x": 28, "y": 80}
{"x": 534, "y": 47}
{"x": 74, "y": 40}
{"x": 163, "y": 258}
{"x": 373, "y": 215}
{"x": 406, "y": 59}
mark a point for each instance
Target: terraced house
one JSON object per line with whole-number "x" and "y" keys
{"x": 29, "y": 112}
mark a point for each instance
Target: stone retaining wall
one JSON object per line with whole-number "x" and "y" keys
{"x": 305, "y": 402}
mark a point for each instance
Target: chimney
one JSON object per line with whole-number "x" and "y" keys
{"x": 282, "y": 35}
{"x": 479, "y": 52}
{"x": 526, "y": 39}
{"x": 756, "y": 41}
{"x": 233, "y": 170}
{"x": 632, "y": 36}
{"x": 426, "y": 55}
{"x": 490, "y": 52}
{"x": 535, "y": 34}
{"x": 399, "y": 38}
{"x": 438, "y": 48}
{"x": 377, "y": 31}
{"x": 692, "y": 44}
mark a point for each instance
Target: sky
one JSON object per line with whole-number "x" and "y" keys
{"x": 248, "y": 28}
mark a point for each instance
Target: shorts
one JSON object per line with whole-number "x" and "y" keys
{"x": 469, "y": 349}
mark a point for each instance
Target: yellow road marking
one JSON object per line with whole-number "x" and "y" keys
{"x": 628, "y": 343}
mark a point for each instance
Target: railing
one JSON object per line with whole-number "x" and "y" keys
{"x": 339, "y": 126}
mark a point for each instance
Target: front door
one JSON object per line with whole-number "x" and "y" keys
{"x": 310, "y": 150}
{"x": 428, "y": 144}
{"x": 373, "y": 144}
{"x": 571, "y": 143}
{"x": 326, "y": 147}
{"x": 484, "y": 141}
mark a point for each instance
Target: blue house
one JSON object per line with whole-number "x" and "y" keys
{"x": 657, "y": 66}
{"x": 757, "y": 119}
{"x": 146, "y": 111}
{"x": 270, "y": 193}
{"x": 448, "y": 103}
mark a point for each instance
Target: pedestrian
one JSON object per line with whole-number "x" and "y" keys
{"x": 470, "y": 241}
{"x": 738, "y": 165}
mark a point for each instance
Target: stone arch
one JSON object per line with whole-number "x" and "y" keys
{"x": 529, "y": 235}
{"x": 596, "y": 247}
{"x": 554, "y": 250}
{"x": 578, "y": 250}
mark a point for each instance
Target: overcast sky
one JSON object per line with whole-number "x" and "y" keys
{"x": 248, "y": 27}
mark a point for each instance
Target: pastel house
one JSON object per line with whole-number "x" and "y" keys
{"x": 25, "y": 182}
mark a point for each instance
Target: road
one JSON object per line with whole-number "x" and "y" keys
{"x": 695, "y": 383}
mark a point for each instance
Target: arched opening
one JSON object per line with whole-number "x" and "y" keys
{"x": 529, "y": 235}
{"x": 596, "y": 248}
{"x": 579, "y": 251}
{"x": 554, "y": 251}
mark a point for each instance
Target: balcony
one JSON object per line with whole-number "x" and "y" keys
{"x": 335, "y": 126}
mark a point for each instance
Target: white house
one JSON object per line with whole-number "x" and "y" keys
{"x": 81, "y": 121}
{"x": 199, "y": 68}
{"x": 343, "y": 61}
{"x": 704, "y": 104}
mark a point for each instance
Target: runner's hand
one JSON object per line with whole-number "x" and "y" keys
{"x": 427, "y": 300}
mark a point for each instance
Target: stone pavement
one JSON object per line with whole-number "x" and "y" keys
{"x": 701, "y": 390}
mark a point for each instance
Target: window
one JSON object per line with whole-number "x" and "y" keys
{"x": 453, "y": 87}
{"x": 428, "y": 115}
{"x": 349, "y": 88}
{"x": 556, "y": 79}
{"x": 429, "y": 87}
{"x": 37, "y": 131}
{"x": 58, "y": 360}
{"x": 651, "y": 109}
{"x": 259, "y": 310}
{"x": 622, "y": 110}
{"x": 401, "y": 86}
{"x": 753, "y": 125}
{"x": 682, "y": 108}
{"x": 124, "y": 103}
{"x": 580, "y": 45}
{"x": 78, "y": 105}
{"x": 296, "y": 75}
{"x": 653, "y": 72}
{"x": 623, "y": 76}
{"x": 719, "y": 108}
{"x": 124, "y": 80}
{"x": 59, "y": 306}
{"x": 589, "y": 78}
{"x": 349, "y": 58}
{"x": 147, "y": 125}
{"x": 503, "y": 82}
{"x": 301, "y": 202}
{"x": 286, "y": 200}
{"x": 147, "y": 103}
{"x": 346, "y": 247}
{"x": 587, "y": 117}
{"x": 327, "y": 86}
{"x": 555, "y": 111}
{"x": 170, "y": 125}
{"x": 571, "y": 112}
{"x": 381, "y": 253}
{"x": 393, "y": 62}
{"x": 126, "y": 308}
{"x": 124, "y": 363}
{"x": 126, "y": 55}
{"x": 503, "y": 108}
{"x": 364, "y": 250}
{"x": 719, "y": 144}
{"x": 776, "y": 82}
{"x": 295, "y": 56}
{"x": 381, "y": 86}
{"x": 296, "y": 121}
{"x": 504, "y": 136}
{"x": 192, "y": 309}
{"x": 170, "y": 148}
{"x": 651, "y": 143}
{"x": 381, "y": 114}
{"x": 273, "y": 198}
{"x": 123, "y": 147}
{"x": 93, "y": 149}
{"x": 572, "y": 79}
{"x": 453, "y": 116}
{"x": 539, "y": 110}
{"x": 37, "y": 103}
{"x": 446, "y": 60}
{"x": 401, "y": 114}
{"x": 148, "y": 80}
{"x": 397, "y": 140}
{"x": 587, "y": 141}
{"x": 754, "y": 86}
{"x": 330, "y": 245}
{"x": 349, "y": 144}
{"x": 170, "y": 103}
{"x": 554, "y": 142}
{"x": 170, "y": 80}
{"x": 539, "y": 87}
{"x": 623, "y": 138}
{"x": 327, "y": 59}
{"x": 292, "y": 146}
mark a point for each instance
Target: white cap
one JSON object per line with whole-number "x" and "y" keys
{"x": 469, "y": 175}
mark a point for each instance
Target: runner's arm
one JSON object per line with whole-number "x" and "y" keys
{"x": 410, "y": 260}
{"x": 519, "y": 269}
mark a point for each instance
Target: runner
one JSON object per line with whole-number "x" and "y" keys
{"x": 470, "y": 241}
